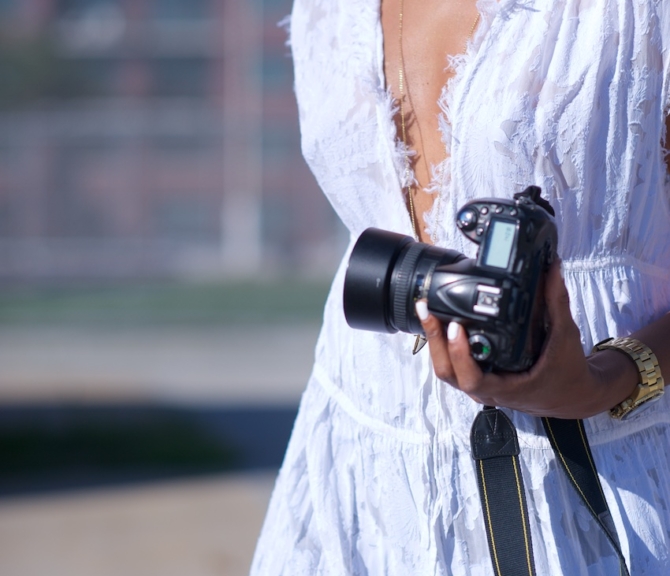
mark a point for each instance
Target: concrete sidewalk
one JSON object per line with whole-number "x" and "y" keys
{"x": 188, "y": 528}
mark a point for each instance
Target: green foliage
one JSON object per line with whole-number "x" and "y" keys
{"x": 220, "y": 303}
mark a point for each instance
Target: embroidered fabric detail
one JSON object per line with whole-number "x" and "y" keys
{"x": 568, "y": 95}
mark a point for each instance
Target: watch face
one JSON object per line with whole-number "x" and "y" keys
{"x": 642, "y": 405}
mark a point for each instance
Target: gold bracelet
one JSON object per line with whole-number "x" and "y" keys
{"x": 651, "y": 385}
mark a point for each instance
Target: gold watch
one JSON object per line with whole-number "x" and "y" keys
{"x": 651, "y": 385}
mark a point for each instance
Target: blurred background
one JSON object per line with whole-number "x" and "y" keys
{"x": 164, "y": 258}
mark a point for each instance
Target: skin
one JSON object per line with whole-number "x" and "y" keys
{"x": 564, "y": 383}
{"x": 431, "y": 30}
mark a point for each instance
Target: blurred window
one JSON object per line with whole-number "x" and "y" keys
{"x": 8, "y": 219}
{"x": 92, "y": 77}
{"x": 180, "y": 9}
{"x": 14, "y": 202}
{"x": 280, "y": 142}
{"x": 76, "y": 8}
{"x": 184, "y": 219}
{"x": 283, "y": 4}
{"x": 70, "y": 210}
{"x": 277, "y": 70}
{"x": 180, "y": 77}
{"x": 186, "y": 145}
{"x": 28, "y": 70}
{"x": 277, "y": 225}
{"x": 8, "y": 6}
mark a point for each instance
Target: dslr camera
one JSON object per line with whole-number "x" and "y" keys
{"x": 498, "y": 297}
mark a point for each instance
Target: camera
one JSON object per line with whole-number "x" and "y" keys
{"x": 498, "y": 297}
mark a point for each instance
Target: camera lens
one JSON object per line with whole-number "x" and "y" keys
{"x": 367, "y": 284}
{"x": 386, "y": 275}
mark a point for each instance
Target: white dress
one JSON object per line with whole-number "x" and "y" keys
{"x": 565, "y": 94}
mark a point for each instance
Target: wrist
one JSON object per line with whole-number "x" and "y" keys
{"x": 616, "y": 378}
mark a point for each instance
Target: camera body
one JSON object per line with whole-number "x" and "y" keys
{"x": 498, "y": 296}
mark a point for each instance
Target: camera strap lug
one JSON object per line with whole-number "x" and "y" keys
{"x": 534, "y": 193}
{"x": 419, "y": 343}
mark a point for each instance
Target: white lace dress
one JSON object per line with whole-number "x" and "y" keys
{"x": 565, "y": 94}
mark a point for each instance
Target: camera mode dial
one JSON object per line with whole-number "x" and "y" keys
{"x": 467, "y": 219}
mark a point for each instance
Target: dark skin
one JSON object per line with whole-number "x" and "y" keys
{"x": 564, "y": 383}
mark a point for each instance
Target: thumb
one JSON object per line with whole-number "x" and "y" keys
{"x": 556, "y": 295}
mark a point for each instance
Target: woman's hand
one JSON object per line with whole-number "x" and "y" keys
{"x": 563, "y": 383}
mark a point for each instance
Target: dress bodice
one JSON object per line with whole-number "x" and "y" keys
{"x": 564, "y": 94}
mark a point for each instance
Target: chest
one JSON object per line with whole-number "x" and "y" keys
{"x": 555, "y": 92}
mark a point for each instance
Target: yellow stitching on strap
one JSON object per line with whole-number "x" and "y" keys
{"x": 572, "y": 477}
{"x": 523, "y": 518}
{"x": 567, "y": 468}
{"x": 588, "y": 453}
{"x": 488, "y": 518}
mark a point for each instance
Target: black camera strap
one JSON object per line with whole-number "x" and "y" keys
{"x": 495, "y": 448}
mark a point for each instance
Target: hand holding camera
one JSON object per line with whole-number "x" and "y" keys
{"x": 497, "y": 297}
{"x": 512, "y": 340}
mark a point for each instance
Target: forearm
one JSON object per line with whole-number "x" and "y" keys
{"x": 618, "y": 373}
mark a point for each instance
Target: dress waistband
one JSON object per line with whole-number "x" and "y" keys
{"x": 576, "y": 266}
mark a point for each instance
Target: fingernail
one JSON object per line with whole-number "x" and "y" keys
{"x": 422, "y": 310}
{"x": 453, "y": 330}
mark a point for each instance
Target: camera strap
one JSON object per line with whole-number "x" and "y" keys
{"x": 495, "y": 448}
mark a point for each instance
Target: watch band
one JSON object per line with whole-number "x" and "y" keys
{"x": 651, "y": 385}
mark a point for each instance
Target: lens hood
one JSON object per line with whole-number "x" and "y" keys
{"x": 367, "y": 282}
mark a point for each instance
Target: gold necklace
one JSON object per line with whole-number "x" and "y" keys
{"x": 420, "y": 341}
{"x": 409, "y": 189}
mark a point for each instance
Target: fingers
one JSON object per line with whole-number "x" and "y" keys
{"x": 450, "y": 352}
{"x": 563, "y": 338}
{"x": 557, "y": 301}
{"x": 556, "y": 295}
{"x": 468, "y": 373}
{"x": 535, "y": 391}
{"x": 437, "y": 342}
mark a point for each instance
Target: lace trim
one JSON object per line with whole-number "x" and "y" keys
{"x": 440, "y": 183}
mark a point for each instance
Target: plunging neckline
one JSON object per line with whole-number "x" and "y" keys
{"x": 463, "y": 65}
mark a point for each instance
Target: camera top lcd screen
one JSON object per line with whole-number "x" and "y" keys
{"x": 500, "y": 241}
